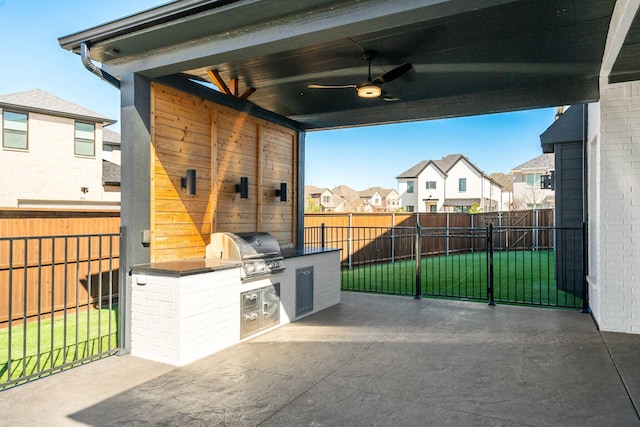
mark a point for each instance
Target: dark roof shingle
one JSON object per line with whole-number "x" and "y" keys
{"x": 37, "y": 100}
{"x": 110, "y": 173}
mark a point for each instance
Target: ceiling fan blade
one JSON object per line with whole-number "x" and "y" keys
{"x": 313, "y": 86}
{"x": 393, "y": 74}
{"x": 389, "y": 98}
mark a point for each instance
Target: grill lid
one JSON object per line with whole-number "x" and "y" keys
{"x": 243, "y": 246}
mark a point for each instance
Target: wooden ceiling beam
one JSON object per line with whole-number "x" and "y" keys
{"x": 216, "y": 79}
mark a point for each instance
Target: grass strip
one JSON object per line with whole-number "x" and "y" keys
{"x": 520, "y": 277}
{"x": 51, "y": 344}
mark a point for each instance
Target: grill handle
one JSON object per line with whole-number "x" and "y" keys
{"x": 262, "y": 255}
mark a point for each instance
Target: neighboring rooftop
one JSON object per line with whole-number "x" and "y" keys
{"x": 443, "y": 164}
{"x": 110, "y": 137}
{"x": 347, "y": 193}
{"x": 504, "y": 180}
{"x": 110, "y": 173}
{"x": 39, "y": 101}
{"x": 369, "y": 192}
{"x": 542, "y": 162}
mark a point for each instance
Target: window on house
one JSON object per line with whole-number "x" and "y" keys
{"x": 533, "y": 180}
{"x": 85, "y": 139}
{"x": 326, "y": 199}
{"x": 376, "y": 201}
{"x": 14, "y": 130}
{"x": 409, "y": 208}
{"x": 462, "y": 184}
{"x": 433, "y": 208}
{"x": 533, "y": 206}
{"x": 409, "y": 186}
{"x": 431, "y": 185}
{"x": 461, "y": 209}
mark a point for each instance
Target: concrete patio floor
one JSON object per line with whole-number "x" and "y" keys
{"x": 371, "y": 360}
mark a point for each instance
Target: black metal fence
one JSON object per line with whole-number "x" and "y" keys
{"x": 58, "y": 303}
{"x": 542, "y": 266}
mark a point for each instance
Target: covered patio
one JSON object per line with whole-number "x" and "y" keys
{"x": 371, "y": 360}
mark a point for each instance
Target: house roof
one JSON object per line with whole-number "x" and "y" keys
{"x": 110, "y": 137}
{"x": 346, "y": 192}
{"x": 110, "y": 173}
{"x": 312, "y": 189}
{"x": 414, "y": 170}
{"x": 504, "y": 180}
{"x": 369, "y": 192}
{"x": 444, "y": 164}
{"x": 447, "y": 162}
{"x": 39, "y": 101}
{"x": 569, "y": 127}
{"x": 384, "y": 192}
{"x": 544, "y": 161}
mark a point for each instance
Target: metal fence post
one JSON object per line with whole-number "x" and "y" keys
{"x": 322, "y": 231}
{"x": 350, "y": 241}
{"x": 393, "y": 238}
{"x": 490, "y": 290}
{"x": 447, "y": 233}
{"x": 418, "y": 255}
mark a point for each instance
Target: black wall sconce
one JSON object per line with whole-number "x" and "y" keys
{"x": 282, "y": 192}
{"x": 243, "y": 187}
{"x": 189, "y": 182}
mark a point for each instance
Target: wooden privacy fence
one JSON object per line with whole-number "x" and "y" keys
{"x": 56, "y": 260}
{"x": 390, "y": 235}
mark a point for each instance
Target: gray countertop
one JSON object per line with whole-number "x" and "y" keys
{"x": 184, "y": 267}
{"x": 188, "y": 267}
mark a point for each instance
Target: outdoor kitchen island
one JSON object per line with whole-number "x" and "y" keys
{"x": 185, "y": 310}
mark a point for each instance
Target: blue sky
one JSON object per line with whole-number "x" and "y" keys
{"x": 360, "y": 158}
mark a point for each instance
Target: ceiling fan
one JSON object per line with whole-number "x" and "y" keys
{"x": 371, "y": 88}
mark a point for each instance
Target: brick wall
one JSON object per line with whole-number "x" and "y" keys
{"x": 614, "y": 186}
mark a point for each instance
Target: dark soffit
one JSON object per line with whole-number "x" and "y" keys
{"x": 467, "y": 59}
{"x": 627, "y": 65}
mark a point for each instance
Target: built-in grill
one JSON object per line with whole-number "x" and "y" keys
{"x": 259, "y": 252}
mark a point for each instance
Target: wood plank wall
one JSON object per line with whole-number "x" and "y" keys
{"x": 222, "y": 145}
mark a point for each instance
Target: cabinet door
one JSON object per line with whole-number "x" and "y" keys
{"x": 304, "y": 290}
{"x": 270, "y": 305}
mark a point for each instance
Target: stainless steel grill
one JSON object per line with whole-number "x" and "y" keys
{"x": 259, "y": 252}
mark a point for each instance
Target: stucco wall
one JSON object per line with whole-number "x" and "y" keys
{"x": 49, "y": 169}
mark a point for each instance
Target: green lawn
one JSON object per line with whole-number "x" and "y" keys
{"x": 95, "y": 333}
{"x": 522, "y": 277}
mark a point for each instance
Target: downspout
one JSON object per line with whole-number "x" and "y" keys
{"x": 85, "y": 55}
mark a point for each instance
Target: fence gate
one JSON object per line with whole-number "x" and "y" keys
{"x": 58, "y": 303}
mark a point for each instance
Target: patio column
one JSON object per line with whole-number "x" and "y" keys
{"x": 135, "y": 190}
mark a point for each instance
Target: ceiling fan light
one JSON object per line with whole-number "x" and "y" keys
{"x": 369, "y": 91}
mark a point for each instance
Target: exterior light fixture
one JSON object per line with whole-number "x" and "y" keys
{"x": 243, "y": 187}
{"x": 282, "y": 192}
{"x": 189, "y": 182}
{"x": 369, "y": 90}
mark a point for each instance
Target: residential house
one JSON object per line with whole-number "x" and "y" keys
{"x": 52, "y": 154}
{"x": 451, "y": 184}
{"x": 381, "y": 199}
{"x": 348, "y": 198}
{"x": 111, "y": 151}
{"x": 318, "y": 199}
{"x": 528, "y": 189}
{"x": 506, "y": 182}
